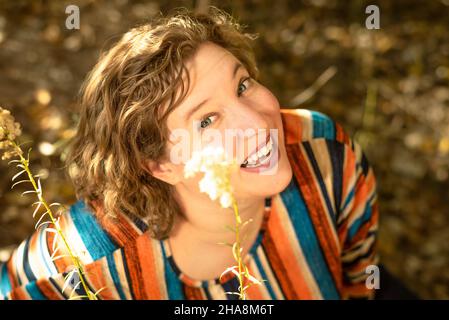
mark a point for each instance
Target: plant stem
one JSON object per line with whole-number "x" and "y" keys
{"x": 238, "y": 221}
{"x": 74, "y": 258}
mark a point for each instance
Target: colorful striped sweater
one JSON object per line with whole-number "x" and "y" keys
{"x": 316, "y": 241}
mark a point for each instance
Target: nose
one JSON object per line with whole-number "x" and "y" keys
{"x": 243, "y": 117}
{"x": 250, "y": 129}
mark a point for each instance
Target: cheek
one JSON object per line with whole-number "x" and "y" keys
{"x": 273, "y": 110}
{"x": 270, "y": 106}
{"x": 178, "y": 173}
{"x": 268, "y": 101}
{"x": 179, "y": 169}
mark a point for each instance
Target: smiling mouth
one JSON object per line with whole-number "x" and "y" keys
{"x": 260, "y": 156}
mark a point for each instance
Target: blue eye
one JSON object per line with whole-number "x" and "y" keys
{"x": 242, "y": 85}
{"x": 209, "y": 119}
{"x": 206, "y": 121}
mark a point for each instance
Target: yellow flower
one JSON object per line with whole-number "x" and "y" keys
{"x": 9, "y": 131}
{"x": 9, "y": 128}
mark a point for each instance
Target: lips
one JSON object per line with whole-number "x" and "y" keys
{"x": 269, "y": 166}
{"x": 260, "y": 155}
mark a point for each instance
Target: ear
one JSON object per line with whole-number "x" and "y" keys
{"x": 165, "y": 171}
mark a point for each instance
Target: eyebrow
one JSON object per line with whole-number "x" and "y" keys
{"x": 189, "y": 113}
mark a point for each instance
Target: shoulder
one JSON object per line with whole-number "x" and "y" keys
{"x": 325, "y": 159}
{"x": 87, "y": 229}
{"x": 127, "y": 261}
{"x": 37, "y": 269}
{"x": 43, "y": 254}
{"x": 302, "y": 125}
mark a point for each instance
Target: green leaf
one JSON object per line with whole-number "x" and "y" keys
{"x": 39, "y": 203}
{"x": 78, "y": 297}
{"x": 74, "y": 289}
{"x": 18, "y": 174}
{"x": 234, "y": 251}
{"x": 19, "y": 183}
{"x": 225, "y": 243}
{"x": 236, "y": 293}
{"x": 54, "y": 204}
{"x": 30, "y": 191}
{"x": 61, "y": 256}
{"x": 40, "y": 219}
{"x": 246, "y": 222}
{"x": 230, "y": 269}
{"x": 67, "y": 279}
{"x": 39, "y": 187}
{"x": 28, "y": 156}
{"x": 98, "y": 291}
{"x": 232, "y": 229}
{"x": 43, "y": 224}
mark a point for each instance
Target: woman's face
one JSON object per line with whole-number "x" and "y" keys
{"x": 225, "y": 107}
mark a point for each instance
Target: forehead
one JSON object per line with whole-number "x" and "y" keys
{"x": 209, "y": 58}
{"x": 209, "y": 69}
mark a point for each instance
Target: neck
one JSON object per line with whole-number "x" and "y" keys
{"x": 204, "y": 221}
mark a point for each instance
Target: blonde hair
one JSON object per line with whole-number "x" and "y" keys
{"x": 125, "y": 102}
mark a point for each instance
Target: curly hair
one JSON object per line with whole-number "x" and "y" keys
{"x": 124, "y": 104}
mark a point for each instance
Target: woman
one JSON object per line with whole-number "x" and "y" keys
{"x": 144, "y": 231}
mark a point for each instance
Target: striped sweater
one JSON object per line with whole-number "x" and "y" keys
{"x": 316, "y": 241}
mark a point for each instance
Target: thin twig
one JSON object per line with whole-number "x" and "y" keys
{"x": 313, "y": 89}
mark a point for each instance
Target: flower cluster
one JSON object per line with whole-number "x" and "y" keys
{"x": 9, "y": 131}
{"x": 216, "y": 183}
{"x": 216, "y": 168}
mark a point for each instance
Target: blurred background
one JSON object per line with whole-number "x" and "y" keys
{"x": 387, "y": 87}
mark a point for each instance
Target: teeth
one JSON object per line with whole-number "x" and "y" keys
{"x": 253, "y": 158}
{"x": 259, "y": 155}
{"x": 267, "y": 149}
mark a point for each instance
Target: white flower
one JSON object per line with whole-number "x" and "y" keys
{"x": 226, "y": 200}
{"x": 216, "y": 168}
